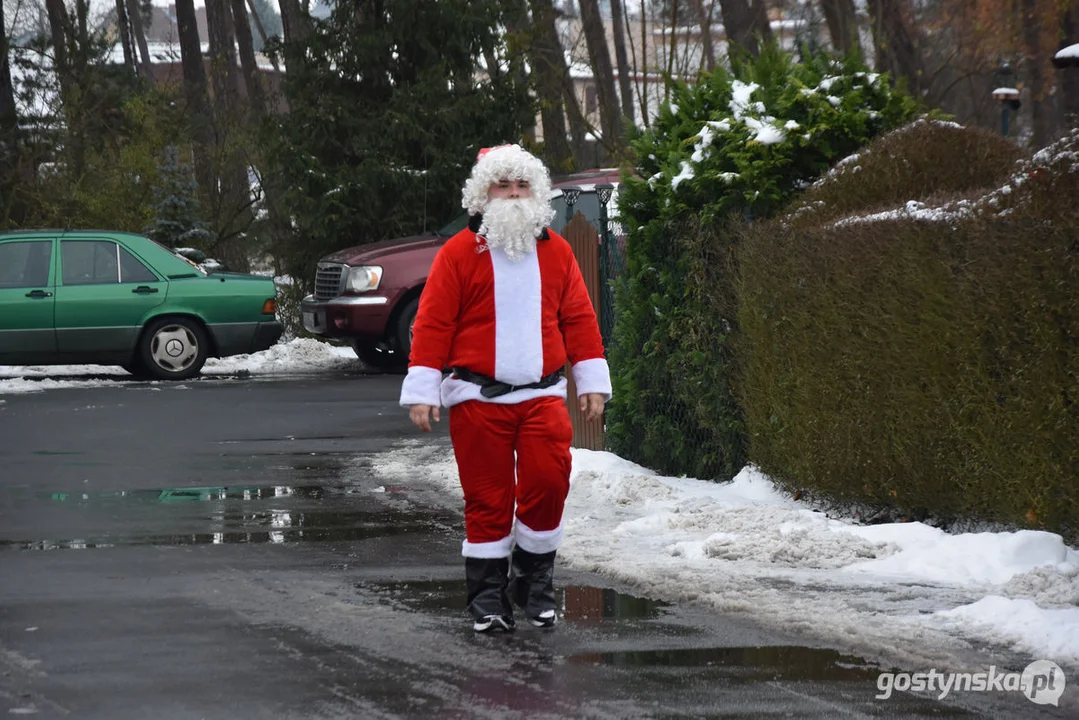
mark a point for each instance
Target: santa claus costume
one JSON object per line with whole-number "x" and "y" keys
{"x": 505, "y": 307}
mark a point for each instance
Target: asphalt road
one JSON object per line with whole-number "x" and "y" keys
{"x": 219, "y": 549}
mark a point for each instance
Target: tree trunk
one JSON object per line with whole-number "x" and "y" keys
{"x": 124, "y": 28}
{"x": 707, "y": 50}
{"x": 252, "y": 77}
{"x": 549, "y": 67}
{"x": 625, "y": 83}
{"x": 643, "y": 69}
{"x": 9, "y": 116}
{"x": 1041, "y": 111}
{"x": 762, "y": 26}
{"x": 842, "y": 25}
{"x": 224, "y": 76}
{"x": 738, "y": 24}
{"x": 233, "y": 201}
{"x": 517, "y": 31}
{"x": 578, "y": 126}
{"x": 261, "y": 30}
{"x": 600, "y": 59}
{"x": 195, "y": 93}
{"x": 672, "y": 50}
{"x": 894, "y": 45}
{"x": 1069, "y": 77}
{"x": 295, "y": 23}
{"x": 147, "y": 64}
{"x": 58, "y": 26}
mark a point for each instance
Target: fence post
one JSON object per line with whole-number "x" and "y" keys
{"x": 582, "y": 237}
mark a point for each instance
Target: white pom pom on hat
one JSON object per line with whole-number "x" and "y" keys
{"x": 504, "y": 162}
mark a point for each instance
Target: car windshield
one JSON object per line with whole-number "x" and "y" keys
{"x": 455, "y": 226}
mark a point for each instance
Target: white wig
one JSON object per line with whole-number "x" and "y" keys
{"x": 505, "y": 162}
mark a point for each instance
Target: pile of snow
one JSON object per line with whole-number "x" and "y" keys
{"x": 296, "y": 356}
{"x": 926, "y": 596}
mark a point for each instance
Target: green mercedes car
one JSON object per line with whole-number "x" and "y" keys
{"x": 76, "y": 296}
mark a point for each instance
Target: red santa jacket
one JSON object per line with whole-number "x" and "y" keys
{"x": 513, "y": 321}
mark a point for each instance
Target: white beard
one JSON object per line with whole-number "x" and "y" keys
{"x": 513, "y": 225}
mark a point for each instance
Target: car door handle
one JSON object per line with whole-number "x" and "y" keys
{"x": 38, "y": 294}
{"x": 144, "y": 289}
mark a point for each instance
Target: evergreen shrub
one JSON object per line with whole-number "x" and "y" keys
{"x": 922, "y": 361}
{"x": 738, "y": 145}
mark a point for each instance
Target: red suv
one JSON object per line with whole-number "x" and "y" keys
{"x": 369, "y": 294}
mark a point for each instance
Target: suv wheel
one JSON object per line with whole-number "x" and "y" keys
{"x": 404, "y": 328}
{"x": 375, "y": 354}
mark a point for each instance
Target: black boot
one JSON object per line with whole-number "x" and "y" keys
{"x": 532, "y": 586}
{"x": 487, "y": 600}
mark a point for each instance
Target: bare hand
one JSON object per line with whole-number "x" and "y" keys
{"x": 591, "y": 406}
{"x": 421, "y": 415}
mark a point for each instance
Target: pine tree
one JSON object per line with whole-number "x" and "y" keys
{"x": 176, "y": 206}
{"x": 388, "y": 111}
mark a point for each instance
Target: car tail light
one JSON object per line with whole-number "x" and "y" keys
{"x": 269, "y": 307}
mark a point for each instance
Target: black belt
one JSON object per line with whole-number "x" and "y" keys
{"x": 491, "y": 388}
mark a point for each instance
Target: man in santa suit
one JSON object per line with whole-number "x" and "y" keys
{"x": 505, "y": 307}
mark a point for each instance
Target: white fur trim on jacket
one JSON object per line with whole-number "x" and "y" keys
{"x": 538, "y": 541}
{"x": 592, "y": 376}
{"x": 497, "y": 549}
{"x": 508, "y": 162}
{"x": 421, "y": 386}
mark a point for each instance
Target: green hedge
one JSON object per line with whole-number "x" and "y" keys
{"x": 923, "y": 360}
{"x": 735, "y": 144}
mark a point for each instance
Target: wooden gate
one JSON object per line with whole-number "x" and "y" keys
{"x": 584, "y": 240}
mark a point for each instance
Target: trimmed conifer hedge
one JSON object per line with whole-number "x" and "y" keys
{"x": 909, "y": 335}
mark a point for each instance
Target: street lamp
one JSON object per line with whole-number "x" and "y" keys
{"x": 1007, "y": 95}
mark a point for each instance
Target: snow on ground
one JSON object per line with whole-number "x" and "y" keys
{"x": 907, "y": 593}
{"x": 296, "y": 356}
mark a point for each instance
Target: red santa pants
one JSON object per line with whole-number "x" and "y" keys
{"x": 512, "y": 454}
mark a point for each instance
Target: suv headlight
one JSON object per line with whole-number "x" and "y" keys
{"x": 363, "y": 279}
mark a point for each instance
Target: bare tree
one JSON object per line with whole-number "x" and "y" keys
{"x": 261, "y": 30}
{"x": 842, "y": 24}
{"x": 223, "y": 72}
{"x": 59, "y": 26}
{"x": 295, "y": 22}
{"x": 232, "y": 202}
{"x": 245, "y": 43}
{"x": 1041, "y": 112}
{"x": 705, "y": 21}
{"x": 1069, "y": 77}
{"x": 738, "y": 26}
{"x": 642, "y": 69}
{"x": 549, "y": 70}
{"x": 146, "y": 66}
{"x": 9, "y": 116}
{"x": 894, "y": 44}
{"x": 625, "y": 83}
{"x": 600, "y": 60}
{"x": 124, "y": 28}
{"x": 195, "y": 88}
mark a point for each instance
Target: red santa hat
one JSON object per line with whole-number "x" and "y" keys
{"x": 505, "y": 162}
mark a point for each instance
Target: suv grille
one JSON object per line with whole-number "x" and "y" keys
{"x": 328, "y": 281}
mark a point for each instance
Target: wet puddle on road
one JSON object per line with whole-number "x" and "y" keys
{"x": 577, "y": 603}
{"x": 238, "y": 514}
{"x": 779, "y": 662}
